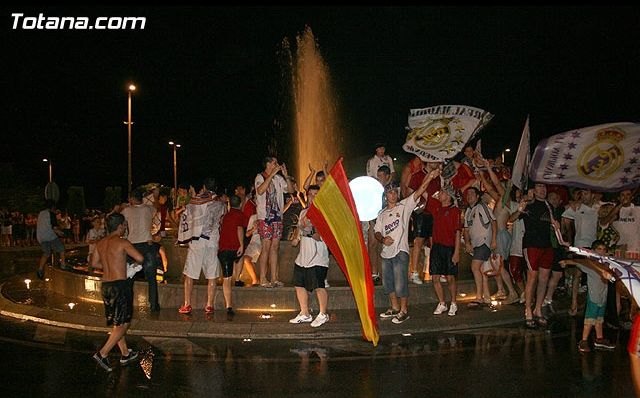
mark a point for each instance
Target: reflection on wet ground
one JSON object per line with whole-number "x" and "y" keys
{"x": 476, "y": 362}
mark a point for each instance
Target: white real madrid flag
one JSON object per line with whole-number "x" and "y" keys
{"x": 604, "y": 157}
{"x": 440, "y": 132}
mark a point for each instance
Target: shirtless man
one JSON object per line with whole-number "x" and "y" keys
{"x": 117, "y": 290}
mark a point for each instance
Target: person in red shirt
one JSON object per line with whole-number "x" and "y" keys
{"x": 231, "y": 247}
{"x": 422, "y": 217}
{"x": 445, "y": 251}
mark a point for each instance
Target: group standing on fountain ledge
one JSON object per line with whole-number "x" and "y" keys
{"x": 467, "y": 206}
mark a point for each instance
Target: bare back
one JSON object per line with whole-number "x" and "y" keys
{"x": 111, "y": 256}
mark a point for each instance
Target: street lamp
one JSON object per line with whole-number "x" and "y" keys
{"x": 175, "y": 171}
{"x": 50, "y": 168}
{"x": 130, "y": 89}
{"x": 506, "y": 150}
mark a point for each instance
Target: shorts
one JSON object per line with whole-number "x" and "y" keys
{"x": 593, "y": 312}
{"x": 558, "y": 255}
{"x": 253, "y": 249}
{"x": 227, "y": 259}
{"x": 440, "y": 261}
{"x": 310, "y": 278}
{"x": 395, "y": 274}
{"x": 538, "y": 257}
{"x": 117, "y": 297}
{"x": 270, "y": 231}
{"x": 422, "y": 225}
{"x": 55, "y": 245}
{"x": 481, "y": 253}
{"x": 515, "y": 268}
{"x": 202, "y": 256}
{"x": 503, "y": 240}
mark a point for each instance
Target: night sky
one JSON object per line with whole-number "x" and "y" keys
{"x": 211, "y": 79}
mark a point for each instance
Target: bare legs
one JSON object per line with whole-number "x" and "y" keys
{"x": 269, "y": 259}
{"x": 116, "y": 337}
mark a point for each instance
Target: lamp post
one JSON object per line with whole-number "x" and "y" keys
{"x": 130, "y": 90}
{"x": 175, "y": 171}
{"x": 50, "y": 169}
{"x": 506, "y": 150}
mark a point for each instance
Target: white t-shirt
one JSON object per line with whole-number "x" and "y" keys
{"x": 628, "y": 226}
{"x": 139, "y": 221}
{"x": 312, "y": 252}
{"x": 585, "y": 219}
{"x": 375, "y": 162}
{"x": 394, "y": 222}
{"x": 478, "y": 220}
{"x": 517, "y": 232}
{"x": 279, "y": 184}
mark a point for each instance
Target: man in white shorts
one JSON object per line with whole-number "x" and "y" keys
{"x": 203, "y": 215}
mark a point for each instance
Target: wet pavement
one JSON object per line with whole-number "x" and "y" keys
{"x": 47, "y": 347}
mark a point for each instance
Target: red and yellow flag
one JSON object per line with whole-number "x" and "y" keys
{"x": 334, "y": 215}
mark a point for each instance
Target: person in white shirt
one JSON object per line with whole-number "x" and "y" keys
{"x": 139, "y": 219}
{"x": 270, "y": 188}
{"x": 311, "y": 267}
{"x": 392, "y": 230}
{"x": 380, "y": 159}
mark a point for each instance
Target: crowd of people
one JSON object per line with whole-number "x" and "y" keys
{"x": 516, "y": 237}
{"x": 433, "y": 214}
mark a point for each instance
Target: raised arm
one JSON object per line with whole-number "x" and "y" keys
{"x": 307, "y": 181}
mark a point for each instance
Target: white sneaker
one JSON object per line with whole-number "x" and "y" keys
{"x": 453, "y": 308}
{"x": 415, "y": 278}
{"x": 301, "y": 318}
{"x": 442, "y": 307}
{"x": 320, "y": 320}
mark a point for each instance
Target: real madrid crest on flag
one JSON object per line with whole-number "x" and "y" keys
{"x": 599, "y": 157}
{"x": 440, "y": 132}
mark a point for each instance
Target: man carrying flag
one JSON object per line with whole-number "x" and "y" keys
{"x": 335, "y": 217}
{"x": 392, "y": 230}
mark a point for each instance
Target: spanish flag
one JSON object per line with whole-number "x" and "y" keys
{"x": 334, "y": 215}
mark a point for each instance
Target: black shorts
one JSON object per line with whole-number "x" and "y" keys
{"x": 422, "y": 225}
{"x": 310, "y": 278}
{"x": 558, "y": 255}
{"x": 227, "y": 259}
{"x": 440, "y": 261}
{"x": 117, "y": 297}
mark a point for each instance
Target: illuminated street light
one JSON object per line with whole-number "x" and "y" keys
{"x": 50, "y": 168}
{"x": 506, "y": 150}
{"x": 175, "y": 171}
{"x": 130, "y": 89}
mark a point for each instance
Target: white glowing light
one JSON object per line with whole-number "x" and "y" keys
{"x": 28, "y": 283}
{"x": 273, "y": 306}
{"x": 71, "y": 305}
{"x": 463, "y": 294}
{"x": 265, "y": 315}
{"x": 246, "y": 340}
{"x": 494, "y": 302}
{"x": 406, "y": 334}
{"x": 367, "y": 193}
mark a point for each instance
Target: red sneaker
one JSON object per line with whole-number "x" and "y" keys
{"x": 208, "y": 309}
{"x": 185, "y": 309}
